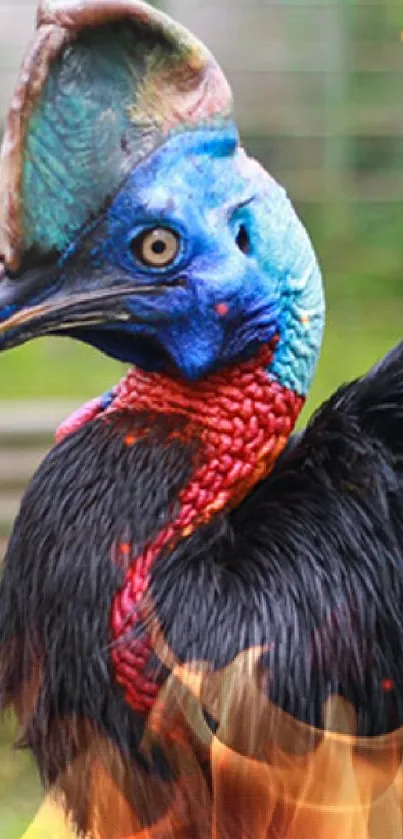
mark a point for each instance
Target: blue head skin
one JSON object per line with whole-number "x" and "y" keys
{"x": 242, "y": 270}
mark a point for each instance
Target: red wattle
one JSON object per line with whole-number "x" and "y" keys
{"x": 242, "y": 419}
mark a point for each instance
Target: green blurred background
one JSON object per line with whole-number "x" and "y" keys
{"x": 318, "y": 91}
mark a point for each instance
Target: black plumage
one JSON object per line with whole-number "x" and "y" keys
{"x": 309, "y": 564}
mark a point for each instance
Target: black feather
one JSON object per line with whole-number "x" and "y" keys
{"x": 309, "y": 568}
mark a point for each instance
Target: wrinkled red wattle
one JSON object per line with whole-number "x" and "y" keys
{"x": 243, "y": 420}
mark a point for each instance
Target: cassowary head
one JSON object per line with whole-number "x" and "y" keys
{"x": 131, "y": 217}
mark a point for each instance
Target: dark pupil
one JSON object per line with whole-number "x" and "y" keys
{"x": 243, "y": 240}
{"x": 159, "y": 247}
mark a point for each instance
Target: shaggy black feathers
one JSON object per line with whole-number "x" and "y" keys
{"x": 310, "y": 567}
{"x": 60, "y": 576}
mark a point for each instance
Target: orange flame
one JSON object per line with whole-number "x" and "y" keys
{"x": 261, "y": 775}
{"x": 272, "y": 776}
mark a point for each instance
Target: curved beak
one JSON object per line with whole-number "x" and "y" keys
{"x": 34, "y": 305}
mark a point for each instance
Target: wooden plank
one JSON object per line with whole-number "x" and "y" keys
{"x": 33, "y": 418}
{"x": 9, "y": 506}
{"x": 18, "y": 465}
{"x": 26, "y": 434}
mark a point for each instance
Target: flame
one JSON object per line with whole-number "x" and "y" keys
{"x": 272, "y": 776}
{"x": 269, "y": 776}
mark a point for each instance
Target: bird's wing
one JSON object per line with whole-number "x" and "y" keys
{"x": 310, "y": 565}
{"x": 327, "y": 529}
{"x": 357, "y": 434}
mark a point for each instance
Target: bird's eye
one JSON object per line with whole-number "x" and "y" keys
{"x": 243, "y": 239}
{"x": 156, "y": 248}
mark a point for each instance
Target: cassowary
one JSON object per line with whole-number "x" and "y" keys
{"x": 200, "y": 615}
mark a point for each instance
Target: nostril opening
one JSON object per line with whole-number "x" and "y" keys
{"x": 243, "y": 240}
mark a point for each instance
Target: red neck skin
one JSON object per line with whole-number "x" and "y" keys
{"x": 242, "y": 420}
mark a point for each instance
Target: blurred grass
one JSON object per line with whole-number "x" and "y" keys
{"x": 56, "y": 368}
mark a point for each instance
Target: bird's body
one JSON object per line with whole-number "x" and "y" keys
{"x": 200, "y": 616}
{"x": 306, "y": 572}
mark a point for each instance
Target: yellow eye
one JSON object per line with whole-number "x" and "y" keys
{"x": 156, "y": 248}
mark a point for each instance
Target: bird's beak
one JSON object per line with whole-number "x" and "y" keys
{"x": 31, "y": 306}
{"x": 61, "y": 316}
